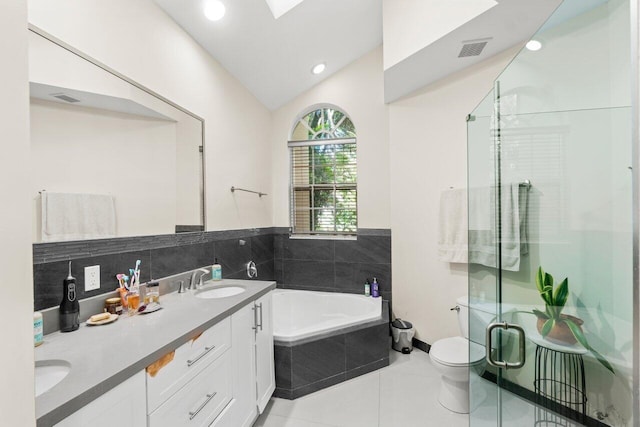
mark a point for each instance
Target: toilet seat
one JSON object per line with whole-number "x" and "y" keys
{"x": 457, "y": 351}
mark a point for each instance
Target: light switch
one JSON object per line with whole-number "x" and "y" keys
{"x": 92, "y": 278}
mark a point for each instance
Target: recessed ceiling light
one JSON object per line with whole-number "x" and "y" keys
{"x": 533, "y": 45}
{"x": 319, "y": 68}
{"x": 214, "y": 10}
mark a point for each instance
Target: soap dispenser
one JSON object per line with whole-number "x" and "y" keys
{"x": 216, "y": 270}
{"x": 69, "y": 307}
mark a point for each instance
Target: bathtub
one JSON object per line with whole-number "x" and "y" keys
{"x": 324, "y": 338}
{"x": 302, "y": 314}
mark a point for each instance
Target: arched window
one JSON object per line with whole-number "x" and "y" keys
{"x": 324, "y": 180}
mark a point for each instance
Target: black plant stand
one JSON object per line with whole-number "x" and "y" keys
{"x": 559, "y": 383}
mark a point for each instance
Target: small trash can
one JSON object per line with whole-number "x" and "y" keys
{"x": 402, "y": 333}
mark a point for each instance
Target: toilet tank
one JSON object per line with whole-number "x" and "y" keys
{"x": 474, "y": 320}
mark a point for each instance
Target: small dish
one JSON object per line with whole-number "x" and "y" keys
{"x": 111, "y": 319}
{"x": 149, "y": 308}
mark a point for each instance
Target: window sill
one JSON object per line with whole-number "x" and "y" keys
{"x": 323, "y": 236}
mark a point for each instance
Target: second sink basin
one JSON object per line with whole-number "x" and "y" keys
{"x": 49, "y": 373}
{"x": 220, "y": 292}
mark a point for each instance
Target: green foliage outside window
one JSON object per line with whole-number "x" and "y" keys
{"x": 330, "y": 185}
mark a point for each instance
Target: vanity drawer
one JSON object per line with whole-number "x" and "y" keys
{"x": 188, "y": 361}
{"x": 201, "y": 400}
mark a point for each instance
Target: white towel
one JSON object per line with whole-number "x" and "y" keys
{"x": 482, "y": 228}
{"x": 77, "y": 216}
{"x": 452, "y": 233}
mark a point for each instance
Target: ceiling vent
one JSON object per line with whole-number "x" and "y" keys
{"x": 64, "y": 97}
{"x": 473, "y": 47}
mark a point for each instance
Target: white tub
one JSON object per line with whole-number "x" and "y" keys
{"x": 301, "y": 314}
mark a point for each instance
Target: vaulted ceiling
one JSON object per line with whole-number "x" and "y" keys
{"x": 272, "y": 45}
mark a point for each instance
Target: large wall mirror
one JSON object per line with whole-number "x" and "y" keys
{"x": 110, "y": 158}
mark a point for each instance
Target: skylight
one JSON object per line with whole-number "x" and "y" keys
{"x": 280, "y": 7}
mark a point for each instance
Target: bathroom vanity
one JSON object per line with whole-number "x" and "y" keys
{"x": 198, "y": 361}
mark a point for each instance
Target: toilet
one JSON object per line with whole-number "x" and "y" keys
{"x": 459, "y": 358}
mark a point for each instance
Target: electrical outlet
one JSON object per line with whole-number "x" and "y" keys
{"x": 92, "y": 278}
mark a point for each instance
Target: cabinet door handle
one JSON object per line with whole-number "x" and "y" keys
{"x": 193, "y": 414}
{"x": 200, "y": 356}
{"x": 255, "y": 318}
{"x": 260, "y": 305}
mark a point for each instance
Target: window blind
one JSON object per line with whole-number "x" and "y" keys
{"x": 324, "y": 186}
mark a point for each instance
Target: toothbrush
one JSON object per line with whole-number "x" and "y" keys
{"x": 120, "y": 278}
{"x": 133, "y": 277}
{"x": 137, "y": 271}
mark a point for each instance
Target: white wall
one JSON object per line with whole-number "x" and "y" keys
{"x": 358, "y": 90}
{"x": 139, "y": 40}
{"x": 86, "y": 150}
{"x": 411, "y": 25}
{"x": 16, "y": 359}
{"x": 428, "y": 135}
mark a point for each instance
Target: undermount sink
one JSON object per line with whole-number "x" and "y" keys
{"x": 220, "y": 292}
{"x": 49, "y": 373}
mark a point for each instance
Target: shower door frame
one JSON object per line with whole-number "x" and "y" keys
{"x": 635, "y": 150}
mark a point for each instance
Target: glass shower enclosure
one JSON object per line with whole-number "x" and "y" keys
{"x": 551, "y": 226}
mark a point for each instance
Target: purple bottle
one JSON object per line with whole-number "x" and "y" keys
{"x": 375, "y": 288}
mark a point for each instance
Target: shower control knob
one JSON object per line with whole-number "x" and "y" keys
{"x": 456, "y": 308}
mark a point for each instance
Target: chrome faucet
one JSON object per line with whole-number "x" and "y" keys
{"x": 192, "y": 283}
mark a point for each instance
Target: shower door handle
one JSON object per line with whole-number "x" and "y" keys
{"x": 521, "y": 346}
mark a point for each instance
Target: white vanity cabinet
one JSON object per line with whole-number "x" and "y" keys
{"x": 253, "y": 364}
{"x": 195, "y": 384}
{"x": 122, "y": 405}
{"x": 265, "y": 372}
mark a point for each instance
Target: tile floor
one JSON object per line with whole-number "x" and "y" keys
{"x": 404, "y": 394}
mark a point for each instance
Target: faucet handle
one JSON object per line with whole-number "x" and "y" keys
{"x": 252, "y": 270}
{"x": 181, "y": 290}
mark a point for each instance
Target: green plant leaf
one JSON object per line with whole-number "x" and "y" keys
{"x": 548, "y": 281}
{"x": 577, "y": 332}
{"x": 561, "y": 294}
{"x": 540, "y": 280}
{"x": 548, "y": 325}
{"x": 602, "y": 360}
{"x": 550, "y": 311}
{"x": 539, "y": 313}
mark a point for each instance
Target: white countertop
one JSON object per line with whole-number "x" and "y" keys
{"x": 101, "y": 357}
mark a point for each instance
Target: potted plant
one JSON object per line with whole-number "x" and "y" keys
{"x": 555, "y": 326}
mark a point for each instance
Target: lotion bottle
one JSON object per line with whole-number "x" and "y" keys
{"x": 37, "y": 329}
{"x": 375, "y": 288}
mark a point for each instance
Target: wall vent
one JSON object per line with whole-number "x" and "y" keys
{"x": 64, "y": 97}
{"x": 472, "y": 49}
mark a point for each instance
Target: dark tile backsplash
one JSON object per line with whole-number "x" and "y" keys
{"x": 313, "y": 264}
{"x": 334, "y": 265}
{"x": 160, "y": 256}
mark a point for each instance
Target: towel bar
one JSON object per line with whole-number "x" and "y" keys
{"x": 259, "y": 193}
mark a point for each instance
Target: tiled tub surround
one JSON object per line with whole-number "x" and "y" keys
{"x": 312, "y": 264}
{"x": 334, "y": 265}
{"x": 314, "y": 363}
{"x": 161, "y": 256}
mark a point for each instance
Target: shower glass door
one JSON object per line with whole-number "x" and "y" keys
{"x": 550, "y": 198}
